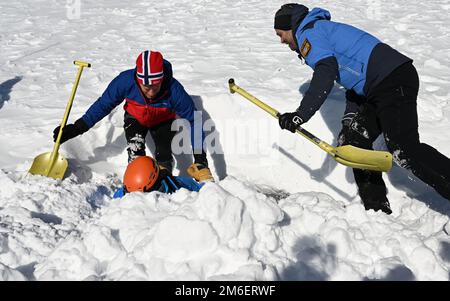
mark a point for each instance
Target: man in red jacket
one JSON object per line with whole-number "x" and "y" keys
{"x": 153, "y": 99}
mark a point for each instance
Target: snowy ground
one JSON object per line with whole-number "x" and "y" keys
{"x": 282, "y": 210}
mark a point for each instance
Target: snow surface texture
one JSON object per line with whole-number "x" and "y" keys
{"x": 282, "y": 210}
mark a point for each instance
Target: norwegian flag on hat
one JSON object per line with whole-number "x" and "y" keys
{"x": 149, "y": 65}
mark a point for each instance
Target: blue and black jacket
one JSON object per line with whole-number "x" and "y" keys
{"x": 339, "y": 52}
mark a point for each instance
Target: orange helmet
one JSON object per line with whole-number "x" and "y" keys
{"x": 141, "y": 174}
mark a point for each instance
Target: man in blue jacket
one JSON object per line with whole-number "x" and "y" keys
{"x": 382, "y": 86}
{"x": 153, "y": 99}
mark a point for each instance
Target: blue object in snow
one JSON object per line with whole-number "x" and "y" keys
{"x": 169, "y": 185}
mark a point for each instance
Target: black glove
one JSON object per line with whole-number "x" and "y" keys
{"x": 290, "y": 121}
{"x": 71, "y": 130}
{"x": 351, "y": 96}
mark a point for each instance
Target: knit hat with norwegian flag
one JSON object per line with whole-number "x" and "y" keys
{"x": 150, "y": 68}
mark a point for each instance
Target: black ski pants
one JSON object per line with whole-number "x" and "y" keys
{"x": 162, "y": 135}
{"x": 391, "y": 110}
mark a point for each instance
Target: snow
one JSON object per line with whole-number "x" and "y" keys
{"x": 280, "y": 210}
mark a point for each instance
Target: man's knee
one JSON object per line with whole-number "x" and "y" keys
{"x": 403, "y": 151}
{"x": 350, "y": 135}
{"x": 136, "y": 147}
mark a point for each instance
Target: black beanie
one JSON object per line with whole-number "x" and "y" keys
{"x": 283, "y": 17}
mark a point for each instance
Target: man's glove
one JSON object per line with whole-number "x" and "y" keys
{"x": 200, "y": 173}
{"x": 290, "y": 121}
{"x": 71, "y": 130}
{"x": 199, "y": 170}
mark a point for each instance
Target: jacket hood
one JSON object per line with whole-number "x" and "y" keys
{"x": 314, "y": 15}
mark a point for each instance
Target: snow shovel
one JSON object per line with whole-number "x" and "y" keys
{"x": 347, "y": 155}
{"x": 53, "y": 164}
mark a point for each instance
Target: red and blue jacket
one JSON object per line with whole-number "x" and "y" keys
{"x": 170, "y": 102}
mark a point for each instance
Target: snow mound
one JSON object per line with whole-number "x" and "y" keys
{"x": 230, "y": 230}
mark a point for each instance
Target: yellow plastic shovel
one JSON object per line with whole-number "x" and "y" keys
{"x": 53, "y": 164}
{"x": 347, "y": 155}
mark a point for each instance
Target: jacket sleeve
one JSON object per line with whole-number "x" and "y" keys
{"x": 111, "y": 98}
{"x": 325, "y": 74}
{"x": 184, "y": 106}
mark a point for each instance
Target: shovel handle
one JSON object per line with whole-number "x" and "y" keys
{"x": 236, "y": 89}
{"x": 82, "y": 64}
{"x": 54, "y": 154}
{"x": 69, "y": 104}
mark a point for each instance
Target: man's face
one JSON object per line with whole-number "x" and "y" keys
{"x": 287, "y": 37}
{"x": 150, "y": 91}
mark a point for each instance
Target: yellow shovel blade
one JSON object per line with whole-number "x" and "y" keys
{"x": 43, "y": 166}
{"x": 363, "y": 159}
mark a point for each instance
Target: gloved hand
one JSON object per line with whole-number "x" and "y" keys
{"x": 71, "y": 130}
{"x": 199, "y": 170}
{"x": 290, "y": 121}
{"x": 200, "y": 173}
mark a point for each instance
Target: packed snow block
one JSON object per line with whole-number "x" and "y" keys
{"x": 262, "y": 214}
{"x": 179, "y": 239}
{"x": 246, "y": 237}
{"x": 262, "y": 209}
{"x": 102, "y": 244}
{"x": 222, "y": 210}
